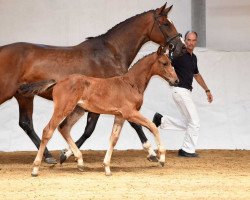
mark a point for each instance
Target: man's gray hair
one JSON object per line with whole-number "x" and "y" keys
{"x": 191, "y": 32}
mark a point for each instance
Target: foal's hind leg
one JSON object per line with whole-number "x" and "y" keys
{"x": 92, "y": 119}
{"x": 60, "y": 112}
{"x": 140, "y": 119}
{"x": 145, "y": 143}
{"x": 66, "y": 126}
{"x": 77, "y": 153}
{"x": 26, "y": 123}
{"x": 118, "y": 123}
{"x": 47, "y": 134}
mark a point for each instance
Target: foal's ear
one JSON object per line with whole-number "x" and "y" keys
{"x": 161, "y": 50}
{"x": 161, "y": 9}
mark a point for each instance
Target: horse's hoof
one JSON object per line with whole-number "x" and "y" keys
{"x": 50, "y": 160}
{"x": 152, "y": 158}
{"x": 34, "y": 174}
{"x": 63, "y": 151}
{"x": 162, "y": 164}
{"x": 80, "y": 167}
{"x": 62, "y": 158}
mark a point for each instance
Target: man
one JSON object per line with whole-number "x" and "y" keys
{"x": 186, "y": 68}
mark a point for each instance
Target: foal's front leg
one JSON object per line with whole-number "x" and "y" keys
{"x": 140, "y": 119}
{"x": 117, "y": 126}
{"x": 145, "y": 143}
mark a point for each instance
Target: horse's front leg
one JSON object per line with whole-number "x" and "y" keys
{"x": 26, "y": 123}
{"x": 145, "y": 143}
{"x": 117, "y": 126}
{"x": 139, "y": 119}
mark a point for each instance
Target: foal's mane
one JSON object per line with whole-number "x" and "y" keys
{"x": 120, "y": 25}
{"x": 143, "y": 58}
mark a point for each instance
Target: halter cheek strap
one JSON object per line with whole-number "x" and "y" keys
{"x": 167, "y": 39}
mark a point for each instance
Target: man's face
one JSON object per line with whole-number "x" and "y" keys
{"x": 191, "y": 41}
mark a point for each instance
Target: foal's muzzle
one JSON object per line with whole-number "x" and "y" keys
{"x": 174, "y": 83}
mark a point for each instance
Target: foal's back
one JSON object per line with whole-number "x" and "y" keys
{"x": 107, "y": 96}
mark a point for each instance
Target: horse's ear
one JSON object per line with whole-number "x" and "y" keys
{"x": 167, "y": 10}
{"x": 161, "y": 50}
{"x": 161, "y": 9}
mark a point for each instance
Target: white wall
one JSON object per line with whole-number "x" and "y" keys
{"x": 228, "y": 25}
{"x": 224, "y": 123}
{"x": 64, "y": 23}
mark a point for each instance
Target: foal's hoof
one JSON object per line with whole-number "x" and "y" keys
{"x": 80, "y": 167}
{"x": 152, "y": 158}
{"x": 33, "y": 174}
{"x": 50, "y": 160}
{"x": 108, "y": 173}
{"x": 162, "y": 164}
{"x": 62, "y": 158}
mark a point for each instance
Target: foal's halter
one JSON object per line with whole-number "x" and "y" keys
{"x": 168, "y": 40}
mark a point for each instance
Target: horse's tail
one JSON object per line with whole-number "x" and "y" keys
{"x": 30, "y": 89}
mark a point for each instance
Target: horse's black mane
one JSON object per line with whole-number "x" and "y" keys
{"x": 118, "y": 25}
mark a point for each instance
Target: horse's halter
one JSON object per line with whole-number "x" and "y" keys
{"x": 168, "y": 40}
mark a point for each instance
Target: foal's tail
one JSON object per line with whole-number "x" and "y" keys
{"x": 30, "y": 89}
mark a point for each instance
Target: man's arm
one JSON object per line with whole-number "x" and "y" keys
{"x": 202, "y": 83}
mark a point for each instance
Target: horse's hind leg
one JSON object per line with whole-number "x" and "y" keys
{"x": 118, "y": 123}
{"x": 26, "y": 123}
{"x": 145, "y": 143}
{"x": 70, "y": 121}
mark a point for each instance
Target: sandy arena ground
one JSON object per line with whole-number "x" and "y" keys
{"x": 214, "y": 175}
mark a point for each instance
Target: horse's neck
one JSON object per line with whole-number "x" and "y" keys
{"x": 140, "y": 74}
{"x": 127, "y": 38}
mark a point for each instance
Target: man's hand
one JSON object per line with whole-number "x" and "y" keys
{"x": 209, "y": 97}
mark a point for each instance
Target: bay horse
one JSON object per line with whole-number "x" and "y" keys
{"x": 103, "y": 56}
{"x": 121, "y": 96}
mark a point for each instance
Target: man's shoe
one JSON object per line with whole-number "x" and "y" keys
{"x": 183, "y": 153}
{"x": 157, "y": 119}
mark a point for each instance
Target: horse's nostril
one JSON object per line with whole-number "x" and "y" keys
{"x": 177, "y": 82}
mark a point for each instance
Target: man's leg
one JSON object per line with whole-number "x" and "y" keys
{"x": 185, "y": 104}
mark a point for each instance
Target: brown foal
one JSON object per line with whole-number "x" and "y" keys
{"x": 121, "y": 96}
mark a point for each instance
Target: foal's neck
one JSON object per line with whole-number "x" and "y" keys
{"x": 140, "y": 74}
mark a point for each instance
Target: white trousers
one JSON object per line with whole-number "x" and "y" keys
{"x": 190, "y": 121}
